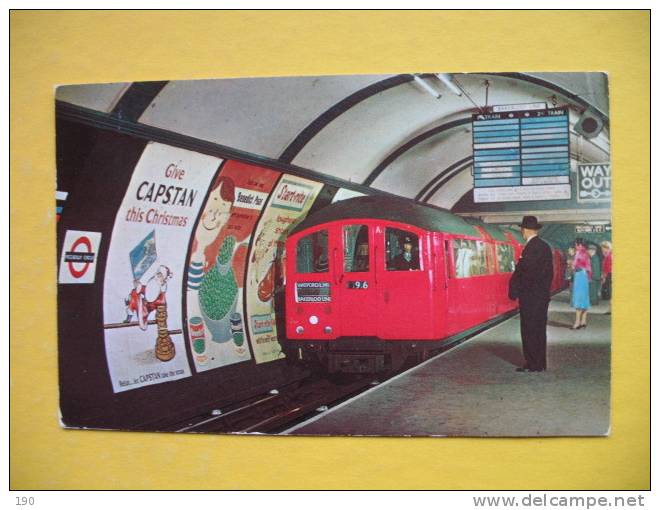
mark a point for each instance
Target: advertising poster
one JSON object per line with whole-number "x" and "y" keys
{"x": 217, "y": 261}
{"x": 289, "y": 203}
{"x": 146, "y": 262}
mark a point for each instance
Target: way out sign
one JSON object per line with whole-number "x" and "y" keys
{"x": 594, "y": 183}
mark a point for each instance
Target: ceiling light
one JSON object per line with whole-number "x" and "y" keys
{"x": 446, "y": 79}
{"x": 427, "y": 87}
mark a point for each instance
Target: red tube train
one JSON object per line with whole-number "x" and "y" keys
{"x": 373, "y": 280}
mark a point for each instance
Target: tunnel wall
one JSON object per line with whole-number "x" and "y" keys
{"x": 170, "y": 277}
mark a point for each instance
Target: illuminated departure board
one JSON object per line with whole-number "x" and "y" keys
{"x": 521, "y": 155}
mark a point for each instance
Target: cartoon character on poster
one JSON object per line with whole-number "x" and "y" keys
{"x": 211, "y": 275}
{"x": 217, "y": 265}
{"x": 149, "y": 297}
{"x": 146, "y": 297}
{"x": 267, "y": 258}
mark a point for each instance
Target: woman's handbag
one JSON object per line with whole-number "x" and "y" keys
{"x": 606, "y": 289}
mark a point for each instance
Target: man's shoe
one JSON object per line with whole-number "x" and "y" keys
{"x": 523, "y": 369}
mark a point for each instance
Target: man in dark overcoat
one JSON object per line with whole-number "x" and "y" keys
{"x": 530, "y": 284}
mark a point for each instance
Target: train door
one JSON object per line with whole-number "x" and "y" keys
{"x": 355, "y": 280}
{"x": 404, "y": 281}
{"x": 310, "y": 295}
{"x": 452, "y": 285}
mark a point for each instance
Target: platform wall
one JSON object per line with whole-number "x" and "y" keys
{"x": 170, "y": 277}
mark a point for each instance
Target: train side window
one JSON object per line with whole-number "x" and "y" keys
{"x": 470, "y": 258}
{"x": 463, "y": 254}
{"x": 312, "y": 253}
{"x": 490, "y": 259}
{"x": 356, "y": 248}
{"x": 484, "y": 265}
{"x": 401, "y": 250}
{"x": 480, "y": 262}
{"x": 505, "y": 258}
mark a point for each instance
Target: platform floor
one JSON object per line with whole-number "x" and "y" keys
{"x": 474, "y": 390}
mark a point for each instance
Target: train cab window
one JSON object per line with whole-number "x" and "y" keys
{"x": 401, "y": 250}
{"x": 505, "y": 258}
{"x": 356, "y": 248}
{"x": 312, "y": 253}
{"x": 470, "y": 258}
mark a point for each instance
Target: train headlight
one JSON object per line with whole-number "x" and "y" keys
{"x": 300, "y": 329}
{"x": 327, "y": 329}
{"x": 313, "y": 319}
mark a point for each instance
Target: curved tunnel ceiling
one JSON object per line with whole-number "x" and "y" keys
{"x": 261, "y": 116}
{"x": 380, "y": 130}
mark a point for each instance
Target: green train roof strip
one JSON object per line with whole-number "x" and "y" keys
{"x": 493, "y": 230}
{"x": 390, "y": 209}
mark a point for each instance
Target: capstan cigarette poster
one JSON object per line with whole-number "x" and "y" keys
{"x": 144, "y": 342}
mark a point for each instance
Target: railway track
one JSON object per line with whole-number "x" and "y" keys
{"x": 277, "y": 409}
{"x": 294, "y": 403}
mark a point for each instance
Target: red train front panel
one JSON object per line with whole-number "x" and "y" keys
{"x": 360, "y": 278}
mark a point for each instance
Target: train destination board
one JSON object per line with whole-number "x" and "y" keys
{"x": 313, "y": 292}
{"x": 521, "y": 155}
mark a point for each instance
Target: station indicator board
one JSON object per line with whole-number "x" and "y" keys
{"x": 521, "y": 155}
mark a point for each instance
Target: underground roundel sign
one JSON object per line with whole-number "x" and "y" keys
{"x": 79, "y": 255}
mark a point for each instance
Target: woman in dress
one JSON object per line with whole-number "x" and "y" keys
{"x": 581, "y": 278}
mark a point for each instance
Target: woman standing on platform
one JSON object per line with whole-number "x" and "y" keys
{"x": 581, "y": 278}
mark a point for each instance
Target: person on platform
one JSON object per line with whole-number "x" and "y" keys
{"x": 530, "y": 285}
{"x": 568, "y": 273}
{"x": 594, "y": 284}
{"x": 407, "y": 260}
{"x": 582, "y": 277}
{"x": 606, "y": 273}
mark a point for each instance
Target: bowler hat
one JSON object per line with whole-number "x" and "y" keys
{"x": 531, "y": 223}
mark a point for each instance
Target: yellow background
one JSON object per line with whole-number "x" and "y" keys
{"x": 49, "y": 48}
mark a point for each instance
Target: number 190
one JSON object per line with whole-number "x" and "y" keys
{"x": 24, "y": 500}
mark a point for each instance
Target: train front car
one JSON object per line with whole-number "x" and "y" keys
{"x": 374, "y": 281}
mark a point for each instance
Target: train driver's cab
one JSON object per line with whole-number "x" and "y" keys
{"x": 360, "y": 278}
{"x": 402, "y": 250}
